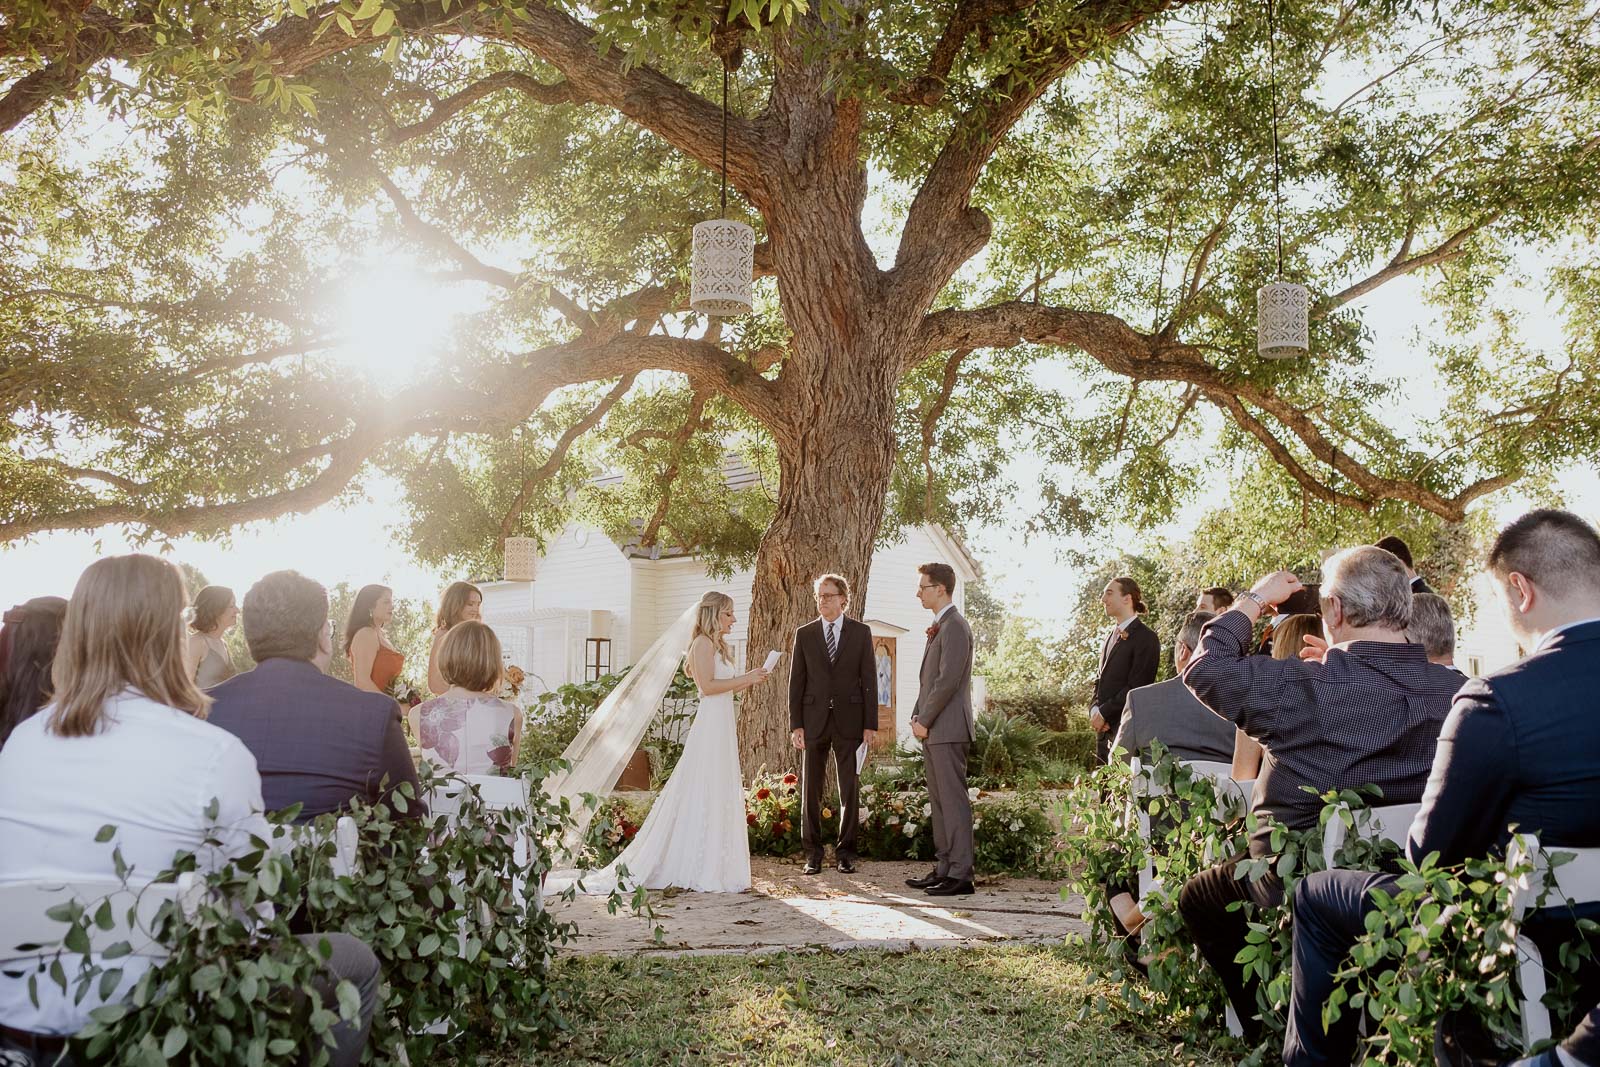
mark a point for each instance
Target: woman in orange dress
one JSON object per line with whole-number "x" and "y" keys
{"x": 374, "y": 662}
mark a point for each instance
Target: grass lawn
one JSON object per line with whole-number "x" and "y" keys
{"x": 1011, "y": 1005}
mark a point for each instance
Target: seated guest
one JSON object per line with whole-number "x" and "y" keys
{"x": 1289, "y": 637}
{"x": 374, "y": 661}
{"x": 27, "y": 650}
{"x": 125, "y": 743}
{"x": 469, "y": 729}
{"x": 462, "y": 602}
{"x": 1434, "y": 629}
{"x": 318, "y": 741}
{"x": 1214, "y": 600}
{"x": 1169, "y": 713}
{"x": 1521, "y": 747}
{"x": 1368, "y": 714}
{"x": 1402, "y": 551}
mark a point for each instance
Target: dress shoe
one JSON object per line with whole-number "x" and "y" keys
{"x": 950, "y": 887}
{"x": 1460, "y": 1040}
{"x": 847, "y": 865}
{"x": 930, "y": 879}
{"x": 812, "y": 867}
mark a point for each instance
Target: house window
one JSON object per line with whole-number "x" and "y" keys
{"x": 597, "y": 657}
{"x": 1475, "y": 666}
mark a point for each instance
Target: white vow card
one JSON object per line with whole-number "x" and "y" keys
{"x": 861, "y": 757}
{"x": 772, "y": 660}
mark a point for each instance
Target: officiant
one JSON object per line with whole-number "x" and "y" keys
{"x": 833, "y": 707}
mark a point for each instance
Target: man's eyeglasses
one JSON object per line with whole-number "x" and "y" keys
{"x": 920, "y": 588}
{"x": 828, "y": 596}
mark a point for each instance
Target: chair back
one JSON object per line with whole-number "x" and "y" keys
{"x": 123, "y": 913}
{"x": 1391, "y": 822}
{"x": 344, "y": 843}
{"x": 1570, "y": 884}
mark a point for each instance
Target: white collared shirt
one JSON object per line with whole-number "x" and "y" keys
{"x": 942, "y": 610}
{"x": 1549, "y": 634}
{"x": 151, "y": 772}
{"x": 838, "y": 628}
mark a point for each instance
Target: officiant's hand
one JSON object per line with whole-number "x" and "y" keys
{"x": 797, "y": 737}
{"x": 869, "y": 736}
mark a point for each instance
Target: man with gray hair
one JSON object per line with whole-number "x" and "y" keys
{"x": 1368, "y": 712}
{"x": 1169, "y": 713}
{"x": 1433, "y": 628}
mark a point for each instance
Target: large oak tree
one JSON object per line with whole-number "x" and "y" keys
{"x": 958, "y": 204}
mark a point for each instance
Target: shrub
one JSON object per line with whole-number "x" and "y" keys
{"x": 554, "y": 717}
{"x": 773, "y": 816}
{"x": 615, "y": 824}
{"x": 1043, "y": 706}
{"x": 1014, "y": 834}
{"x": 1005, "y": 750}
{"x": 896, "y": 825}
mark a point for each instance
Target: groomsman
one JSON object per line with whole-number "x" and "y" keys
{"x": 942, "y": 720}
{"x": 1128, "y": 659}
{"x": 833, "y": 707}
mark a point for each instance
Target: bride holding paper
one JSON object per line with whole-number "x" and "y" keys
{"x": 833, "y": 707}
{"x": 695, "y": 836}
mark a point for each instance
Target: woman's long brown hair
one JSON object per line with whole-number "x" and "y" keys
{"x": 124, "y": 628}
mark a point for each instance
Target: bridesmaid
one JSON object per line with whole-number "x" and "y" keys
{"x": 374, "y": 662}
{"x": 215, "y": 611}
{"x": 462, "y": 602}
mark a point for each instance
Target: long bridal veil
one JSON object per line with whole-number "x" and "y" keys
{"x": 597, "y": 756}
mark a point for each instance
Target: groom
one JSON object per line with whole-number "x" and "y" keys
{"x": 833, "y": 705}
{"x": 942, "y": 719}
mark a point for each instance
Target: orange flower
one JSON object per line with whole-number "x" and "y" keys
{"x": 790, "y": 779}
{"x": 750, "y": 818}
{"x": 762, "y": 794}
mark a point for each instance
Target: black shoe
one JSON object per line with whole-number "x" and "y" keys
{"x": 847, "y": 865}
{"x": 929, "y": 879}
{"x": 949, "y": 887}
{"x": 812, "y": 867}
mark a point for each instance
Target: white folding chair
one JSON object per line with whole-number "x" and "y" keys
{"x": 1233, "y": 798}
{"x": 1392, "y": 822}
{"x": 344, "y": 843}
{"x": 1572, "y": 883}
{"x": 133, "y": 912}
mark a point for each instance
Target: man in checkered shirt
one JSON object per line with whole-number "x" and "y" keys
{"x": 1365, "y": 711}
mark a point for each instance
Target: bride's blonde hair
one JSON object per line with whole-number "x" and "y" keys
{"x": 706, "y": 624}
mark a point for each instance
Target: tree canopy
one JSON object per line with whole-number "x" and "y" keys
{"x": 985, "y": 225}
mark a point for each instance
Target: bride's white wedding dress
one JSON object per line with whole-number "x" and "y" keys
{"x": 694, "y": 837}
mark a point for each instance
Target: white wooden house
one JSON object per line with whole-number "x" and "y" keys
{"x": 594, "y": 605}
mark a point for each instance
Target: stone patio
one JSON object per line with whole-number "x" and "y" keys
{"x": 786, "y": 911}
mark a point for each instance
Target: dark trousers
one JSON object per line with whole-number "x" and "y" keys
{"x": 1330, "y": 909}
{"x": 1220, "y": 930}
{"x": 813, "y": 775}
{"x": 1102, "y": 742}
{"x": 354, "y": 961}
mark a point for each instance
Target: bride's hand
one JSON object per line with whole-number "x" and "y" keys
{"x": 756, "y": 677}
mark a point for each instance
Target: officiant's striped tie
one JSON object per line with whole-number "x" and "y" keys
{"x": 833, "y": 643}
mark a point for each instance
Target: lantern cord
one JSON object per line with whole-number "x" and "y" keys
{"x": 1272, "y": 70}
{"x": 725, "y": 144}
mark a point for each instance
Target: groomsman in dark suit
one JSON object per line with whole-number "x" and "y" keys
{"x": 942, "y": 721}
{"x": 1419, "y": 584}
{"x": 833, "y": 706}
{"x": 1128, "y": 659}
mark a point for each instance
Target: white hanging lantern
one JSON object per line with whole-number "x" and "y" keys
{"x": 1283, "y": 320}
{"x": 522, "y": 559}
{"x": 723, "y": 267}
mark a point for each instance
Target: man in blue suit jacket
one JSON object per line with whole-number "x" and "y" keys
{"x": 1521, "y": 747}
{"x": 317, "y": 741}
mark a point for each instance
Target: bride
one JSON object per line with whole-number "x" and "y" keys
{"x": 695, "y": 836}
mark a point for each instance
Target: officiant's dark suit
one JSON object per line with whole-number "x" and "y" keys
{"x": 1128, "y": 659}
{"x": 833, "y": 698}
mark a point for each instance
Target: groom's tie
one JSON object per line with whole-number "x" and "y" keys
{"x": 833, "y": 642}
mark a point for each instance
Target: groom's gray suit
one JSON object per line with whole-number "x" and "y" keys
{"x": 944, "y": 706}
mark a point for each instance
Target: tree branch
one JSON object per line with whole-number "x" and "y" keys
{"x": 929, "y": 88}
{"x": 680, "y": 440}
{"x": 1448, "y": 249}
{"x": 558, "y": 453}
{"x": 452, "y": 105}
{"x": 930, "y": 421}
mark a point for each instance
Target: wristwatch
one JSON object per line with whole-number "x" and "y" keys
{"x": 1253, "y": 595}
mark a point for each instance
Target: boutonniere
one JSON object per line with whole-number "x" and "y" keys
{"x": 933, "y": 631}
{"x": 1122, "y": 635}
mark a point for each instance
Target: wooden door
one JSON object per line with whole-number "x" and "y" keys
{"x": 883, "y": 650}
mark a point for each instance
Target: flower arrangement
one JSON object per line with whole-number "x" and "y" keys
{"x": 896, "y": 825}
{"x": 613, "y": 829}
{"x": 773, "y": 816}
{"x": 512, "y": 680}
